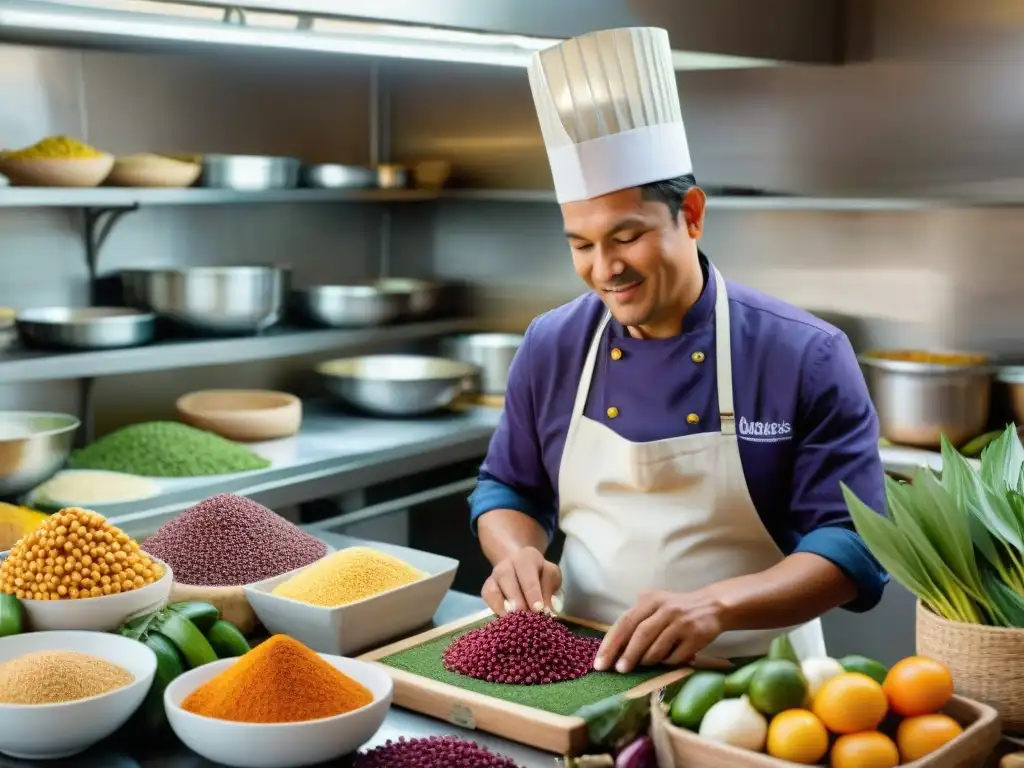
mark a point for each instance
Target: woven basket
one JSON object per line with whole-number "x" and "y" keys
{"x": 679, "y": 748}
{"x": 985, "y": 662}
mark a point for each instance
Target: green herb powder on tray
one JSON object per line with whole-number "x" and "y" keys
{"x": 563, "y": 698}
{"x": 166, "y": 449}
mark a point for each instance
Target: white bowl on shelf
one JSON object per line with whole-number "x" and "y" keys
{"x": 365, "y": 624}
{"x": 98, "y": 614}
{"x": 51, "y": 731}
{"x": 278, "y": 745}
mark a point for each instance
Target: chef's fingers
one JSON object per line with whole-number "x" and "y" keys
{"x": 504, "y": 574}
{"x": 620, "y": 633}
{"x": 491, "y": 594}
{"x": 528, "y": 573}
{"x": 550, "y": 583}
{"x": 685, "y": 652}
{"x": 662, "y": 647}
{"x": 647, "y": 633}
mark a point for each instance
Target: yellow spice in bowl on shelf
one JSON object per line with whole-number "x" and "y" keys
{"x": 76, "y": 554}
{"x": 348, "y": 576}
{"x": 56, "y": 147}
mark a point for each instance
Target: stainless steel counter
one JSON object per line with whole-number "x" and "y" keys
{"x": 120, "y": 752}
{"x": 333, "y": 454}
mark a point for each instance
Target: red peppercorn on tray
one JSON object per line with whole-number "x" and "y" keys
{"x": 458, "y": 673}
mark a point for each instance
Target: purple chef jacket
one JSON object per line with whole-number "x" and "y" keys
{"x": 804, "y": 419}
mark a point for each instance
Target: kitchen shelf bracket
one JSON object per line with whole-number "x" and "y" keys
{"x": 98, "y": 224}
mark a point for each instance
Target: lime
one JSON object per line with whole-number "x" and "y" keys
{"x": 700, "y": 692}
{"x": 737, "y": 683}
{"x": 781, "y": 648}
{"x": 876, "y": 670}
{"x": 777, "y": 685}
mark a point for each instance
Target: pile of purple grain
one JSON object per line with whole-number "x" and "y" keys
{"x": 228, "y": 541}
{"x": 432, "y": 752}
{"x": 522, "y": 648}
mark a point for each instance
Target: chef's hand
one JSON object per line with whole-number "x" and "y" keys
{"x": 662, "y": 628}
{"x": 525, "y": 579}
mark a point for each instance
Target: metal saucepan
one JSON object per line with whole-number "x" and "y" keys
{"x": 33, "y": 446}
{"x": 491, "y": 352}
{"x": 211, "y": 299}
{"x": 357, "y": 305}
{"x": 333, "y": 176}
{"x": 921, "y": 395}
{"x": 250, "y": 173}
{"x": 398, "y": 385}
{"x": 85, "y": 327}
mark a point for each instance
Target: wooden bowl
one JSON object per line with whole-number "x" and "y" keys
{"x": 57, "y": 171}
{"x": 153, "y": 171}
{"x": 245, "y": 415}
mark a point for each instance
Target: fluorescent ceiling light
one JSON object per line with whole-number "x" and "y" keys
{"x": 161, "y": 22}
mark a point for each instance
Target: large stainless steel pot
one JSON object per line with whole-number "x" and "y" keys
{"x": 398, "y": 385}
{"x": 250, "y": 173}
{"x": 33, "y": 446}
{"x": 919, "y": 395}
{"x": 211, "y": 299}
{"x": 492, "y": 352}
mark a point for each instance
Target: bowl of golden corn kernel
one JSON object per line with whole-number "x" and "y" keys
{"x": 56, "y": 161}
{"x": 77, "y": 571}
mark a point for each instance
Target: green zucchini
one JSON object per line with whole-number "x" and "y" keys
{"x": 190, "y": 642}
{"x": 203, "y": 615}
{"x": 12, "y": 616}
{"x": 168, "y": 666}
{"x": 227, "y": 641}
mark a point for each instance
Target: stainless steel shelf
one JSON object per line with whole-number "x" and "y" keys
{"x": 118, "y": 197}
{"x": 727, "y": 202}
{"x": 25, "y": 365}
{"x": 333, "y": 454}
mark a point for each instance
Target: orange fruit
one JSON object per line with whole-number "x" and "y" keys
{"x": 798, "y": 736}
{"x": 922, "y": 735}
{"x": 870, "y": 749}
{"x": 918, "y": 685}
{"x": 850, "y": 703}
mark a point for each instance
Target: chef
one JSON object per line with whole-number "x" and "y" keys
{"x": 688, "y": 435}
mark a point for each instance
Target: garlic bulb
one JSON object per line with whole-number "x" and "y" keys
{"x": 735, "y": 722}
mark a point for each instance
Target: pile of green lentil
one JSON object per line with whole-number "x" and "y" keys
{"x": 563, "y": 698}
{"x": 166, "y": 449}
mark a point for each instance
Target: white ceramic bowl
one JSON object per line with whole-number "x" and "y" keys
{"x": 350, "y": 629}
{"x": 50, "y": 731}
{"x": 98, "y": 614}
{"x": 278, "y": 745}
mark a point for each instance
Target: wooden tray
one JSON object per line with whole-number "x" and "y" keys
{"x": 560, "y": 734}
{"x": 678, "y": 747}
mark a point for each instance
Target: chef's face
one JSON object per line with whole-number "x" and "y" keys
{"x": 635, "y": 254}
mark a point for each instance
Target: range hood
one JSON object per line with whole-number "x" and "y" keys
{"x": 709, "y": 35}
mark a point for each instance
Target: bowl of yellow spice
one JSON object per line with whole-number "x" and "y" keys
{"x": 77, "y": 571}
{"x": 57, "y": 161}
{"x": 356, "y": 598}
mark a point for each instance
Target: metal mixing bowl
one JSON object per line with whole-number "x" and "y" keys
{"x": 85, "y": 327}
{"x": 398, "y": 385}
{"x": 333, "y": 176}
{"x": 492, "y": 352}
{"x": 918, "y": 400}
{"x": 211, "y": 299}
{"x": 250, "y": 173}
{"x": 421, "y": 296}
{"x": 348, "y": 306}
{"x": 33, "y": 446}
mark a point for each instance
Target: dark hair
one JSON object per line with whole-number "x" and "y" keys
{"x": 670, "y": 192}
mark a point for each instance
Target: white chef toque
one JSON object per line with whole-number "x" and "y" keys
{"x": 609, "y": 112}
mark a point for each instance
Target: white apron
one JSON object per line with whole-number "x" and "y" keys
{"x": 671, "y": 514}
